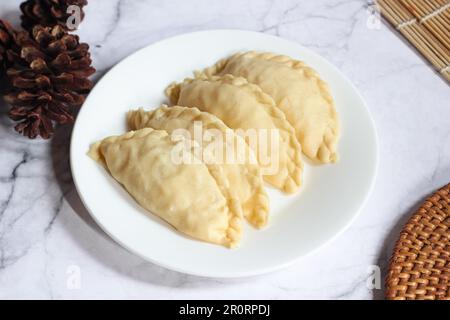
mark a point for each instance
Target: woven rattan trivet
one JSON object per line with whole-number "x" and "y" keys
{"x": 425, "y": 24}
{"x": 420, "y": 265}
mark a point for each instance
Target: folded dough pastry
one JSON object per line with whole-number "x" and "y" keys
{"x": 242, "y": 105}
{"x": 245, "y": 179}
{"x": 188, "y": 196}
{"x": 298, "y": 91}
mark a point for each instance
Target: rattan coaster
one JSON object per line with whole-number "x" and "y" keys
{"x": 420, "y": 265}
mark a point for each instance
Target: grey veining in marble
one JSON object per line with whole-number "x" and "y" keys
{"x": 47, "y": 239}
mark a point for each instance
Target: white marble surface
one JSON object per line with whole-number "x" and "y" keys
{"x": 46, "y": 236}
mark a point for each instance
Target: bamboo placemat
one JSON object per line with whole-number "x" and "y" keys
{"x": 420, "y": 265}
{"x": 426, "y": 25}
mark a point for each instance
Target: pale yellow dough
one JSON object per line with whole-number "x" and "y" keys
{"x": 245, "y": 179}
{"x": 188, "y": 196}
{"x": 242, "y": 105}
{"x": 298, "y": 90}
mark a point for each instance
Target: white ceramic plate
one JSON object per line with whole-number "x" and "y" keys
{"x": 329, "y": 200}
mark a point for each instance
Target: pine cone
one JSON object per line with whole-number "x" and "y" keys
{"x": 6, "y": 37}
{"x": 49, "y": 78}
{"x": 48, "y": 12}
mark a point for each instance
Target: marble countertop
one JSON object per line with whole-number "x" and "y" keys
{"x": 51, "y": 249}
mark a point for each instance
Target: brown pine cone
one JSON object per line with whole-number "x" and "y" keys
{"x": 49, "y": 78}
{"x": 6, "y": 37}
{"x": 48, "y": 12}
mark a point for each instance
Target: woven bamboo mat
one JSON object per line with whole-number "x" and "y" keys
{"x": 420, "y": 265}
{"x": 426, "y": 25}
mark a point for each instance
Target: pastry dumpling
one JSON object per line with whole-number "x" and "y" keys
{"x": 188, "y": 196}
{"x": 297, "y": 90}
{"x": 245, "y": 179}
{"x": 244, "y": 106}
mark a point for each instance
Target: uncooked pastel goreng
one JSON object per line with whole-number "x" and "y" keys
{"x": 298, "y": 90}
{"x": 191, "y": 197}
{"x": 242, "y": 105}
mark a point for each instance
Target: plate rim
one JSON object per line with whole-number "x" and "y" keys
{"x": 233, "y": 274}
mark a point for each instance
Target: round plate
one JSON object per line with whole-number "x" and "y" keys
{"x": 330, "y": 197}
